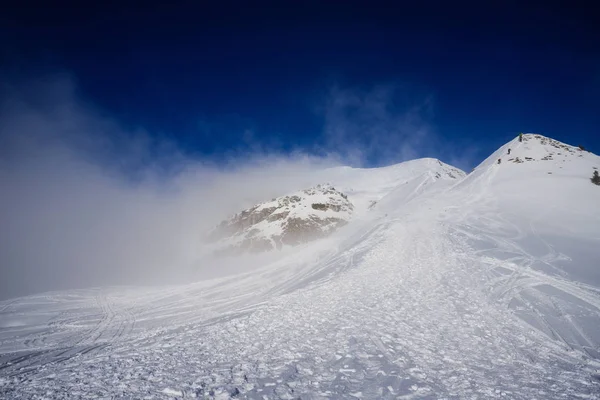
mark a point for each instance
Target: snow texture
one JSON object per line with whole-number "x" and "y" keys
{"x": 443, "y": 287}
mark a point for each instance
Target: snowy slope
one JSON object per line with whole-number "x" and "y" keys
{"x": 482, "y": 288}
{"x": 368, "y": 186}
{"x": 534, "y": 220}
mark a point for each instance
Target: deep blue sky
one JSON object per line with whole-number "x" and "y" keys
{"x": 204, "y": 76}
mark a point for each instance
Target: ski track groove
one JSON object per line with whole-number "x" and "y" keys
{"x": 104, "y": 333}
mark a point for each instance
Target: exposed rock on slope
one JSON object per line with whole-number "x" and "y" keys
{"x": 288, "y": 220}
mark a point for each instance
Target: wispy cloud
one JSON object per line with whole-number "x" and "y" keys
{"x": 387, "y": 124}
{"x": 377, "y": 126}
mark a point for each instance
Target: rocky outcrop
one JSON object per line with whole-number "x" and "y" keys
{"x": 285, "y": 221}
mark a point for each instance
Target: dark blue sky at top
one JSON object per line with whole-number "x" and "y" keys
{"x": 204, "y": 76}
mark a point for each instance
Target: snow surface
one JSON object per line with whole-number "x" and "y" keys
{"x": 482, "y": 287}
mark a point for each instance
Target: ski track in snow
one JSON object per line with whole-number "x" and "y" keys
{"x": 441, "y": 299}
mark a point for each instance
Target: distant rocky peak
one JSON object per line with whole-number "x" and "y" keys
{"x": 287, "y": 220}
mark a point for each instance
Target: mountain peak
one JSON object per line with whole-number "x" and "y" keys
{"x": 289, "y": 220}
{"x": 533, "y": 147}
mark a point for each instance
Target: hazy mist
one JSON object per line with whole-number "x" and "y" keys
{"x": 85, "y": 201}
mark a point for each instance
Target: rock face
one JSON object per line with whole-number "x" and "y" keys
{"x": 285, "y": 221}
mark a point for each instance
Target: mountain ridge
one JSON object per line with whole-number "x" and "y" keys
{"x": 274, "y": 224}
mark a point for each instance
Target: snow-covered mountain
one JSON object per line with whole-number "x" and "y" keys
{"x": 440, "y": 285}
{"x": 318, "y": 212}
{"x": 290, "y": 220}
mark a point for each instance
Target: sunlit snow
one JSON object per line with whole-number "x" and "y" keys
{"x": 443, "y": 286}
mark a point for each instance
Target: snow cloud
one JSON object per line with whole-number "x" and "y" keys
{"x": 85, "y": 201}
